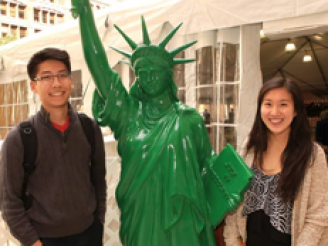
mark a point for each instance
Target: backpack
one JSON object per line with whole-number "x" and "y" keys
{"x": 30, "y": 143}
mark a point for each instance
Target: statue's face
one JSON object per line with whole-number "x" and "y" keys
{"x": 153, "y": 80}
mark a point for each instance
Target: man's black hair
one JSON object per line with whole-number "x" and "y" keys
{"x": 44, "y": 55}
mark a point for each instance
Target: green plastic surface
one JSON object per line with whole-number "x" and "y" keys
{"x": 163, "y": 143}
{"x": 225, "y": 181}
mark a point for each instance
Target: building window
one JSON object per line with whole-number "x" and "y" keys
{"x": 4, "y": 29}
{"x": 44, "y": 16}
{"x": 36, "y": 15}
{"x": 21, "y": 12}
{"x": 23, "y": 32}
{"x": 13, "y": 9}
{"x": 204, "y": 66}
{"x": 230, "y": 62}
{"x": 179, "y": 78}
{"x": 14, "y": 106}
{"x": 52, "y": 18}
{"x": 76, "y": 98}
{"x": 3, "y": 7}
{"x": 206, "y": 96}
{"x": 13, "y": 31}
{"x": 60, "y": 18}
{"x": 227, "y": 71}
{"x": 218, "y": 84}
{"x": 37, "y": 30}
{"x": 52, "y": 1}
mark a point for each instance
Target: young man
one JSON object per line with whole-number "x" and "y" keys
{"x": 68, "y": 193}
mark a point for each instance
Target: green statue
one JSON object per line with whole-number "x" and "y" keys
{"x": 163, "y": 143}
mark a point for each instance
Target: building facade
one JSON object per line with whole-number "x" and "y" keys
{"x": 21, "y": 18}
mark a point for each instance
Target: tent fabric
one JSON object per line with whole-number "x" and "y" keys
{"x": 294, "y": 27}
{"x": 197, "y": 15}
{"x": 202, "y": 15}
{"x": 251, "y": 80}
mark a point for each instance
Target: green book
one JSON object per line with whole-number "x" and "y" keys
{"x": 225, "y": 181}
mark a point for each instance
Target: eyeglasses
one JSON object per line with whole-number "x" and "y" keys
{"x": 62, "y": 77}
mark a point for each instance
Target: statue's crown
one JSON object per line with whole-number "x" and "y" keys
{"x": 149, "y": 50}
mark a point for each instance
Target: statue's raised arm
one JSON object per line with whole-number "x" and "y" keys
{"x": 94, "y": 52}
{"x": 111, "y": 101}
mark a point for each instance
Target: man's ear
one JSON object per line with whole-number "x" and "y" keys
{"x": 72, "y": 82}
{"x": 33, "y": 86}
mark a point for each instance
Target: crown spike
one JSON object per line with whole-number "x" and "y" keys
{"x": 146, "y": 49}
{"x": 132, "y": 44}
{"x": 182, "y": 61}
{"x": 145, "y": 34}
{"x": 126, "y": 54}
{"x": 181, "y": 48}
{"x": 125, "y": 62}
{"x": 164, "y": 42}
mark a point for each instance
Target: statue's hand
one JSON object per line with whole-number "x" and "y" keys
{"x": 76, "y": 7}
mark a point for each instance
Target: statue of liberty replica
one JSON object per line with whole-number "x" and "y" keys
{"x": 163, "y": 143}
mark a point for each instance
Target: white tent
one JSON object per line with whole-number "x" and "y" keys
{"x": 197, "y": 15}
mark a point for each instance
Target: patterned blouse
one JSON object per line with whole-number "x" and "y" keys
{"x": 260, "y": 195}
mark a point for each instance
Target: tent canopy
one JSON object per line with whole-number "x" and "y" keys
{"x": 197, "y": 15}
{"x": 311, "y": 76}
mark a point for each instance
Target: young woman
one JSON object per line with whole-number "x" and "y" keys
{"x": 287, "y": 201}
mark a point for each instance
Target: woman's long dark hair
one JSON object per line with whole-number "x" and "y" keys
{"x": 296, "y": 157}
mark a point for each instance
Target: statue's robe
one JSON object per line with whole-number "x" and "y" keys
{"x": 160, "y": 192}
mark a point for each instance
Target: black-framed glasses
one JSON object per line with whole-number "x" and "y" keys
{"x": 62, "y": 77}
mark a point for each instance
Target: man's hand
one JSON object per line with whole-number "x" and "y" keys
{"x": 37, "y": 243}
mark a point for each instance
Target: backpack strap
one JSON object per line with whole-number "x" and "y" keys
{"x": 89, "y": 132}
{"x": 88, "y": 129}
{"x": 30, "y": 143}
